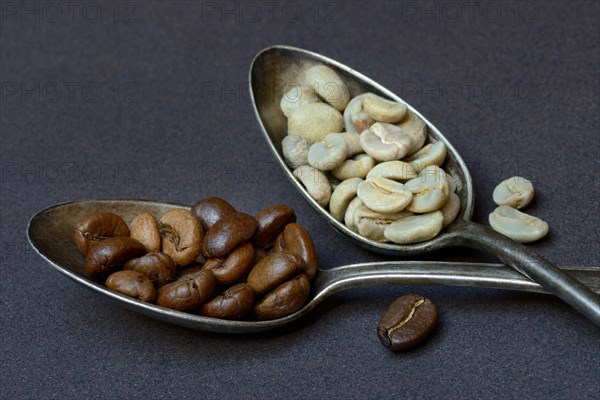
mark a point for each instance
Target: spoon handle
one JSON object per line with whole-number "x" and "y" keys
{"x": 529, "y": 263}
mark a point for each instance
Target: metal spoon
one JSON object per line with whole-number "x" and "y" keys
{"x": 50, "y": 233}
{"x": 279, "y": 68}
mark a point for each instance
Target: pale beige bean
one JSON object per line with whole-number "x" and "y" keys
{"x": 516, "y": 192}
{"x": 314, "y": 121}
{"x": 372, "y": 224}
{"x": 432, "y": 154}
{"x": 349, "y": 214}
{"x": 329, "y": 153}
{"x": 353, "y": 142}
{"x": 295, "y": 151}
{"x": 416, "y": 228}
{"x": 355, "y": 167}
{"x": 517, "y": 225}
{"x": 383, "y": 110}
{"x": 384, "y": 195}
{"x": 355, "y": 119}
{"x": 328, "y": 85}
{"x": 342, "y": 196}
{"x": 430, "y": 191}
{"x": 296, "y": 97}
{"x": 396, "y": 170}
{"x": 416, "y": 129}
{"x": 385, "y": 142}
{"x": 315, "y": 182}
{"x": 450, "y": 209}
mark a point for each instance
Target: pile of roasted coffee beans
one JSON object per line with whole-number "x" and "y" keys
{"x": 212, "y": 260}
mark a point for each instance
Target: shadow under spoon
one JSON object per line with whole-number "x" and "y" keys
{"x": 50, "y": 233}
{"x": 277, "y": 69}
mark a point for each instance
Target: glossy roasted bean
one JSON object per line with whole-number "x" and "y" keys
{"x": 187, "y": 293}
{"x": 159, "y": 267}
{"x": 96, "y": 227}
{"x": 181, "y": 236}
{"x": 273, "y": 270}
{"x": 233, "y": 304}
{"x": 295, "y": 240}
{"x": 234, "y": 266}
{"x": 227, "y": 233}
{"x": 284, "y": 300}
{"x": 271, "y": 221}
{"x": 145, "y": 229}
{"x": 132, "y": 284}
{"x": 210, "y": 210}
{"x": 407, "y": 322}
{"x": 111, "y": 254}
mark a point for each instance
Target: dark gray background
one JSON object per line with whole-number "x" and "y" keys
{"x": 149, "y": 100}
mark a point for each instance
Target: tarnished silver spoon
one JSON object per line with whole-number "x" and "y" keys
{"x": 278, "y": 68}
{"x": 51, "y": 230}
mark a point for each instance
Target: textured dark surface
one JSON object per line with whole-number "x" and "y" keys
{"x": 515, "y": 87}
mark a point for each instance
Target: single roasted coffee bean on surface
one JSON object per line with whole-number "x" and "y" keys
{"x": 159, "y": 267}
{"x": 407, "y": 322}
{"x": 227, "y": 233}
{"x": 110, "y": 255}
{"x": 132, "y": 284}
{"x": 234, "y": 303}
{"x": 97, "y": 227}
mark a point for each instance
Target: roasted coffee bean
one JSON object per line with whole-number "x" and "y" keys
{"x": 284, "y": 300}
{"x": 189, "y": 270}
{"x": 159, "y": 267}
{"x": 132, "y": 284}
{"x": 181, "y": 236}
{"x": 110, "y": 254}
{"x": 145, "y": 229}
{"x": 210, "y": 210}
{"x": 259, "y": 254}
{"x": 406, "y": 322}
{"x": 273, "y": 270}
{"x": 187, "y": 293}
{"x": 233, "y": 267}
{"x": 234, "y": 303}
{"x": 227, "y": 233}
{"x": 96, "y": 227}
{"x": 295, "y": 240}
{"x": 271, "y": 222}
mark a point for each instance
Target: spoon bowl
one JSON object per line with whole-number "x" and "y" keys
{"x": 279, "y": 68}
{"x": 50, "y": 233}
